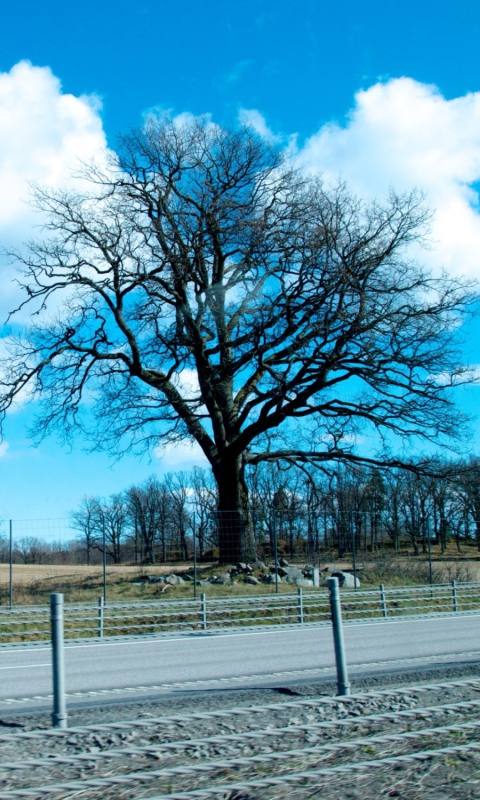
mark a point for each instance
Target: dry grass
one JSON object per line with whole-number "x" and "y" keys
{"x": 26, "y": 573}
{"x": 33, "y": 583}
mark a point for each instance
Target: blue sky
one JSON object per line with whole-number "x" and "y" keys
{"x": 352, "y": 82}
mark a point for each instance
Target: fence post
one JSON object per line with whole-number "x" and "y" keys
{"x": 454, "y": 596}
{"x": 275, "y": 554}
{"x": 203, "y": 611}
{"x": 343, "y": 686}
{"x": 104, "y": 537}
{"x": 383, "y": 600}
{"x": 100, "y": 616}
{"x": 59, "y": 716}
{"x": 300, "y": 606}
{"x": 11, "y": 563}
{"x": 194, "y": 559}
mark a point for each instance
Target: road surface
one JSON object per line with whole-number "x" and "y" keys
{"x": 133, "y": 668}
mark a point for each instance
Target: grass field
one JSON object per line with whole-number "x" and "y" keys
{"x": 33, "y": 583}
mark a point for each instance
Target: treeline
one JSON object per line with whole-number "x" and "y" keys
{"x": 303, "y": 511}
{"x": 38, "y": 550}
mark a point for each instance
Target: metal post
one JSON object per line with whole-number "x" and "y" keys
{"x": 203, "y": 611}
{"x": 430, "y": 574}
{"x": 383, "y": 600}
{"x": 104, "y": 564}
{"x": 59, "y": 716}
{"x": 100, "y": 616}
{"x": 194, "y": 560}
{"x": 454, "y": 596}
{"x": 275, "y": 547}
{"x": 343, "y": 686}
{"x": 300, "y": 606}
{"x": 11, "y": 563}
{"x": 354, "y": 553}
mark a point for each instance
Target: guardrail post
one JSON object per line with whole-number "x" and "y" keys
{"x": 300, "y": 606}
{"x": 59, "y": 716}
{"x": 343, "y": 686}
{"x": 203, "y": 611}
{"x": 100, "y": 616}
{"x": 104, "y": 562}
{"x": 10, "y": 561}
{"x": 383, "y": 600}
{"x": 454, "y": 596}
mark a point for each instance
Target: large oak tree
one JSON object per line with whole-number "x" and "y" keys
{"x": 204, "y": 289}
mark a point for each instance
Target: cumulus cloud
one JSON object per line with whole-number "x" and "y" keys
{"x": 404, "y": 134}
{"x": 252, "y": 118}
{"x": 43, "y": 134}
{"x": 180, "y": 456}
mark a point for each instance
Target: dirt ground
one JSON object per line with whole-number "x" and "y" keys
{"x": 27, "y": 573}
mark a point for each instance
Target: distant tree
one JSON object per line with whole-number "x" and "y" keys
{"x": 31, "y": 549}
{"x": 113, "y": 515}
{"x": 205, "y": 504}
{"x": 87, "y": 519}
{"x": 469, "y": 479}
{"x": 177, "y": 485}
{"x": 203, "y": 289}
{"x": 146, "y": 508}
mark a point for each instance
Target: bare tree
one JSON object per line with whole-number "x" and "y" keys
{"x": 31, "y": 549}
{"x": 178, "y": 485}
{"x": 206, "y": 290}
{"x": 204, "y": 506}
{"x": 146, "y": 509}
{"x": 114, "y": 520}
{"x": 87, "y": 520}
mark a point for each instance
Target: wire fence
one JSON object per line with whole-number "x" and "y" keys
{"x": 214, "y": 535}
{"x": 198, "y": 553}
{"x": 30, "y": 623}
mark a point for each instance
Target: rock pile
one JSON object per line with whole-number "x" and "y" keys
{"x": 257, "y": 572}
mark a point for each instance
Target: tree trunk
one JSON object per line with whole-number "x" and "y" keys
{"x": 236, "y": 542}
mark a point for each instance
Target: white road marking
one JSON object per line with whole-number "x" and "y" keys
{"x": 206, "y": 637}
{"x": 234, "y": 679}
{"x": 27, "y": 666}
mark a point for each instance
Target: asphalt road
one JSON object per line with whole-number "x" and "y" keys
{"x": 132, "y": 668}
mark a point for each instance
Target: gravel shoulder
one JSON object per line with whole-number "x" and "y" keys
{"x": 194, "y": 743}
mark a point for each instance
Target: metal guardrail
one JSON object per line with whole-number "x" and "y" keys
{"x": 30, "y": 623}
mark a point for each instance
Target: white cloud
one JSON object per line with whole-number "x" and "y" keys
{"x": 43, "y": 134}
{"x": 3, "y": 449}
{"x": 180, "y": 456}
{"x": 405, "y": 134}
{"x": 253, "y": 119}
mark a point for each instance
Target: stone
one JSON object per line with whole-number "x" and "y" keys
{"x": 346, "y": 579}
{"x": 271, "y": 578}
{"x": 174, "y": 580}
{"x": 303, "y": 582}
{"x": 283, "y": 562}
{"x": 281, "y": 571}
{"x": 292, "y": 573}
{"x": 223, "y": 579}
{"x": 258, "y": 565}
{"x": 241, "y": 567}
{"x": 252, "y": 580}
